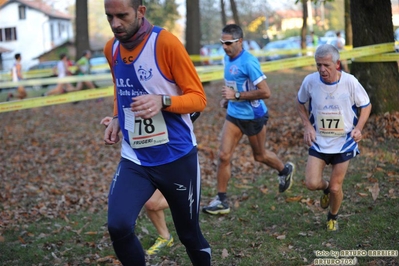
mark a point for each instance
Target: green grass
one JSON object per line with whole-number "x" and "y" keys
{"x": 262, "y": 229}
{"x": 251, "y": 233}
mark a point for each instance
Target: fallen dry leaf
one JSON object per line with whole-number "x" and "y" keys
{"x": 236, "y": 204}
{"x": 263, "y": 189}
{"x": 391, "y": 193}
{"x": 293, "y": 199}
{"x": 21, "y": 240}
{"x": 372, "y": 180}
{"x": 80, "y": 230}
{"x": 375, "y": 191}
{"x": 106, "y": 259}
{"x": 225, "y": 253}
{"x": 91, "y": 233}
{"x": 308, "y": 201}
{"x": 241, "y": 186}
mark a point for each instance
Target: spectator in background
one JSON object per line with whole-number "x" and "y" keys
{"x": 62, "y": 70}
{"x": 16, "y": 74}
{"x": 340, "y": 41}
{"x": 340, "y": 44}
{"x": 83, "y": 68}
{"x": 315, "y": 39}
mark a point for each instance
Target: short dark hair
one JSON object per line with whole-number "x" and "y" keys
{"x": 62, "y": 56}
{"x": 234, "y": 30}
{"x": 17, "y": 56}
{"x": 136, "y": 3}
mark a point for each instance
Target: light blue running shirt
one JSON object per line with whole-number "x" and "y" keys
{"x": 243, "y": 73}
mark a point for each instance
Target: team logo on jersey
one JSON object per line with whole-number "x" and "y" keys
{"x": 144, "y": 74}
{"x": 255, "y": 103}
{"x": 329, "y": 96}
{"x": 233, "y": 70}
{"x": 124, "y": 83}
{"x": 331, "y": 107}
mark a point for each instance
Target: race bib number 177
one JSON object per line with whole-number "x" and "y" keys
{"x": 330, "y": 124}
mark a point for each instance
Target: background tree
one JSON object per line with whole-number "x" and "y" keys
{"x": 304, "y": 24}
{"x": 235, "y": 12}
{"x": 223, "y": 13}
{"x": 335, "y": 10}
{"x": 372, "y": 24}
{"x": 210, "y": 21}
{"x": 82, "y": 29}
{"x": 193, "y": 28}
{"x": 348, "y": 24}
{"x": 162, "y": 13}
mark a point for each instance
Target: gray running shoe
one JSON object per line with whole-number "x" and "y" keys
{"x": 217, "y": 207}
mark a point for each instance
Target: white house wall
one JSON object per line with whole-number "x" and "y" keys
{"x": 33, "y": 34}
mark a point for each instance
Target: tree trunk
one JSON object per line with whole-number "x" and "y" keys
{"x": 82, "y": 29}
{"x": 304, "y": 23}
{"x": 224, "y": 19}
{"x": 193, "y": 29}
{"x": 348, "y": 24}
{"x": 235, "y": 12}
{"x": 372, "y": 24}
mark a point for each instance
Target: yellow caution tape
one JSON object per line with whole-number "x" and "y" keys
{"x": 389, "y": 57}
{"x": 55, "y": 80}
{"x": 372, "y": 53}
{"x": 215, "y": 74}
{"x": 56, "y": 99}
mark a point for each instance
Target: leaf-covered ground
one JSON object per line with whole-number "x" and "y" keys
{"x": 53, "y": 161}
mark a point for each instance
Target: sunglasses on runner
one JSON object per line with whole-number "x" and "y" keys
{"x": 228, "y": 42}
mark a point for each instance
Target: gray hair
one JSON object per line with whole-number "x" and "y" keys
{"x": 325, "y": 50}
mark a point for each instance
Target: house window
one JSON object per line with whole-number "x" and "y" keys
{"x": 22, "y": 12}
{"x": 1, "y": 35}
{"x": 8, "y": 34}
{"x": 52, "y": 32}
{"x": 61, "y": 29}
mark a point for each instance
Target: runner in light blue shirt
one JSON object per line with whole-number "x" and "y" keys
{"x": 243, "y": 94}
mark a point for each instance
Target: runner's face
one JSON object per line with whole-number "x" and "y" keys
{"x": 327, "y": 69}
{"x": 234, "y": 48}
{"x": 123, "y": 19}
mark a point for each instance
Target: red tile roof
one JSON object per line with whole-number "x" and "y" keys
{"x": 40, "y": 6}
{"x": 4, "y": 50}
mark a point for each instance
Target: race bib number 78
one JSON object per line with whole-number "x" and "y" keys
{"x": 147, "y": 132}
